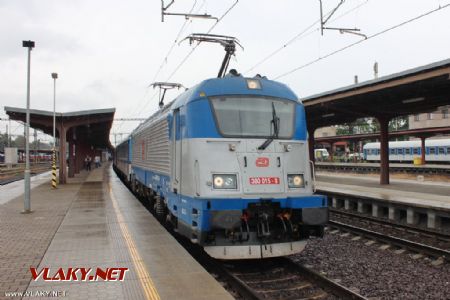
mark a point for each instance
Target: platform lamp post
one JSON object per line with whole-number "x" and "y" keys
{"x": 27, "y": 204}
{"x": 54, "y": 76}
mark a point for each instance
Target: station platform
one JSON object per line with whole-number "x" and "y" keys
{"x": 444, "y": 167}
{"x": 435, "y": 195}
{"x": 94, "y": 222}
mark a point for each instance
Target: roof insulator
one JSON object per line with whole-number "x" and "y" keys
{"x": 233, "y": 72}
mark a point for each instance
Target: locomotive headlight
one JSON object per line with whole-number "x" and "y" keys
{"x": 296, "y": 181}
{"x": 225, "y": 181}
{"x": 218, "y": 181}
{"x": 253, "y": 84}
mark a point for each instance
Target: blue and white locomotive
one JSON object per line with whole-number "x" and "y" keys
{"x": 227, "y": 164}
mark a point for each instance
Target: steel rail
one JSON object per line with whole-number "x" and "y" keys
{"x": 416, "y": 247}
{"x": 381, "y": 221}
{"x": 16, "y": 176}
{"x": 214, "y": 266}
{"x": 238, "y": 285}
{"x": 328, "y": 284}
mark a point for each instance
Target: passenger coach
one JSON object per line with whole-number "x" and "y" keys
{"x": 406, "y": 151}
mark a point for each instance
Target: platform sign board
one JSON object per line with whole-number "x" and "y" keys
{"x": 11, "y": 155}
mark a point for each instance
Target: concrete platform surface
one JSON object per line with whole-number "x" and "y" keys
{"x": 15, "y": 189}
{"x": 104, "y": 226}
{"x": 391, "y": 165}
{"x": 409, "y": 192}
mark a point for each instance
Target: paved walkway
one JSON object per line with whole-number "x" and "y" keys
{"x": 15, "y": 189}
{"x": 429, "y": 187}
{"x": 98, "y": 223}
{"x": 24, "y": 238}
{"x": 408, "y": 192}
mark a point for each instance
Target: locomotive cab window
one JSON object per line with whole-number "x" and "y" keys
{"x": 258, "y": 117}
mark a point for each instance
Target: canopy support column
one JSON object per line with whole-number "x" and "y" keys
{"x": 384, "y": 150}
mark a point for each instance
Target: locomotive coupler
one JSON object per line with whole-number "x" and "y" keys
{"x": 290, "y": 228}
{"x": 281, "y": 218}
{"x": 263, "y": 225}
{"x": 247, "y": 228}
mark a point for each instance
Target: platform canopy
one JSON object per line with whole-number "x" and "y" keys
{"x": 92, "y": 125}
{"x": 417, "y": 132}
{"x": 413, "y": 91}
{"x": 87, "y": 132}
{"x": 417, "y": 90}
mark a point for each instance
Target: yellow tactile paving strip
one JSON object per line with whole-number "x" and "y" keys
{"x": 106, "y": 226}
{"x": 144, "y": 278}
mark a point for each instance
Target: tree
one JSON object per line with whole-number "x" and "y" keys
{"x": 363, "y": 125}
{"x": 3, "y": 141}
{"x": 371, "y": 125}
{"x": 19, "y": 141}
{"x": 399, "y": 123}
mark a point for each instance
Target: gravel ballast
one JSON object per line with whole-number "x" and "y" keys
{"x": 375, "y": 273}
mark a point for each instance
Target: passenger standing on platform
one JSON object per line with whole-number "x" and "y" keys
{"x": 86, "y": 163}
{"x": 89, "y": 160}
{"x": 97, "y": 161}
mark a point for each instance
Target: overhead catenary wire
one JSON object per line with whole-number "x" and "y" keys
{"x": 302, "y": 34}
{"x": 188, "y": 55}
{"x": 361, "y": 41}
{"x": 166, "y": 57}
{"x": 163, "y": 63}
{"x": 195, "y": 47}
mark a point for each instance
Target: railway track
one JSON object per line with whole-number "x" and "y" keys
{"x": 392, "y": 240}
{"x": 445, "y": 236}
{"x": 277, "y": 278}
{"x": 281, "y": 278}
{"x": 9, "y": 176}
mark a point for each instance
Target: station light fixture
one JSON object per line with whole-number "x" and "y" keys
{"x": 27, "y": 203}
{"x": 28, "y": 44}
{"x": 413, "y": 100}
{"x": 328, "y": 115}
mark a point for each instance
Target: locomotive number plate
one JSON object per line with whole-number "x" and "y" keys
{"x": 264, "y": 180}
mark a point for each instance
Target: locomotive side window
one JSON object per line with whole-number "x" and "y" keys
{"x": 253, "y": 116}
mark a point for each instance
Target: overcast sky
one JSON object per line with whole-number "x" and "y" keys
{"x": 107, "y": 52}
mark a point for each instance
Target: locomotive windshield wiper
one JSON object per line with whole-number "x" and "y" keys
{"x": 275, "y": 121}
